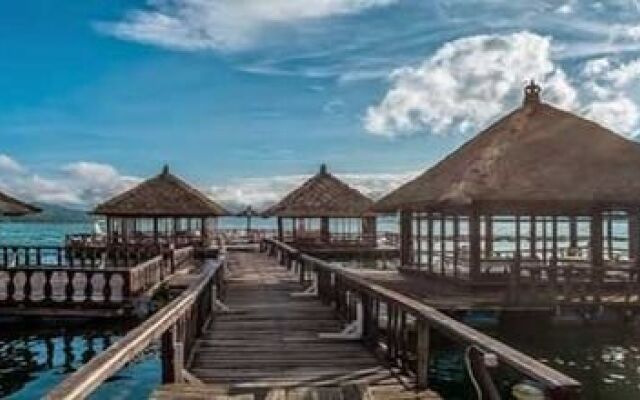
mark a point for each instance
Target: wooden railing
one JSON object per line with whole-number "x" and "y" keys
{"x": 176, "y": 324}
{"x": 400, "y": 326}
{"x": 59, "y": 285}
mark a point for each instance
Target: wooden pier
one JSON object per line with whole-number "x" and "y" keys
{"x": 268, "y": 343}
{"x": 243, "y": 330}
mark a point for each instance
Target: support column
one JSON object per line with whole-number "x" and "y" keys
{"x": 370, "y": 230}
{"x": 533, "y": 238}
{"x": 405, "y": 238}
{"x": 573, "y": 232}
{"x": 204, "y": 234}
{"x": 488, "y": 236}
{"x": 325, "y": 235}
{"x": 610, "y": 235}
{"x": 474, "y": 245}
{"x": 280, "y": 233}
{"x": 595, "y": 243}
{"x": 155, "y": 230}
{"x": 634, "y": 235}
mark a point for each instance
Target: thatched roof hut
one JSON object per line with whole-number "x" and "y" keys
{"x": 537, "y": 168}
{"x": 164, "y": 195}
{"x": 537, "y": 158}
{"x": 324, "y": 211}
{"x": 163, "y": 209}
{"x": 323, "y": 195}
{"x": 13, "y": 207}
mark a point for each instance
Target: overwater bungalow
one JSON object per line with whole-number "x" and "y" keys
{"x": 542, "y": 198}
{"x": 10, "y": 206}
{"x": 325, "y": 212}
{"x": 161, "y": 210}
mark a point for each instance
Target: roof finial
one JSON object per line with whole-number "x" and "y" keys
{"x": 532, "y": 93}
{"x": 323, "y": 168}
{"x": 165, "y": 169}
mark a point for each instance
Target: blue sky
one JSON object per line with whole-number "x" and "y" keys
{"x": 246, "y": 97}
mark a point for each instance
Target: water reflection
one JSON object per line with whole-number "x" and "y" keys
{"x": 34, "y": 359}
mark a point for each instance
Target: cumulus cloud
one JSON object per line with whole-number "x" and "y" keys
{"x": 466, "y": 83}
{"x": 9, "y": 165}
{"x": 223, "y": 24}
{"x": 84, "y": 184}
{"x": 79, "y": 184}
{"x": 471, "y": 81}
{"x": 263, "y": 192}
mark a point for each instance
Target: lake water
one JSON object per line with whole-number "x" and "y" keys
{"x": 34, "y": 359}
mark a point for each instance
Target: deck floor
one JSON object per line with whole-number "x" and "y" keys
{"x": 268, "y": 345}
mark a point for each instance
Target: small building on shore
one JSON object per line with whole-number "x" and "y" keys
{"x": 161, "y": 210}
{"x": 325, "y": 212}
{"x": 541, "y": 196}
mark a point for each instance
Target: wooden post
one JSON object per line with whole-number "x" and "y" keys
{"x": 167, "y": 357}
{"x": 610, "y": 235}
{"x": 573, "y": 232}
{"x": 405, "y": 238}
{"x": 595, "y": 243}
{"x": 430, "y": 241}
{"x": 155, "y": 230}
{"x": 280, "y": 233}
{"x": 474, "y": 245}
{"x": 418, "y": 260}
{"x": 422, "y": 353}
{"x": 324, "y": 230}
{"x": 443, "y": 243}
{"x": 488, "y": 236}
{"x": 370, "y": 230}
{"x": 518, "y": 238}
{"x": 456, "y": 241}
{"x": 533, "y": 237}
{"x": 634, "y": 235}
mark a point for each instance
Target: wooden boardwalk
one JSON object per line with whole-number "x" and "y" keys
{"x": 268, "y": 346}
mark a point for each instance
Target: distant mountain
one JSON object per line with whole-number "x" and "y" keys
{"x": 53, "y": 213}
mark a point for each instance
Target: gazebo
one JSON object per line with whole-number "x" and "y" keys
{"x": 538, "y": 192}
{"x": 160, "y": 210}
{"x": 11, "y": 207}
{"x": 325, "y": 212}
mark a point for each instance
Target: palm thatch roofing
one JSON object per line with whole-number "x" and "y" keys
{"x": 323, "y": 195}
{"x": 164, "y": 195}
{"x": 13, "y": 207}
{"x": 536, "y": 159}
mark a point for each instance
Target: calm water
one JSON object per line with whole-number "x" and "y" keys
{"x": 34, "y": 359}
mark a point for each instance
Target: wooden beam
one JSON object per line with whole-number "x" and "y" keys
{"x": 430, "y": 241}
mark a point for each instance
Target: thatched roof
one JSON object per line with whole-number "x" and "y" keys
{"x": 323, "y": 195}
{"x": 13, "y": 207}
{"x": 537, "y": 158}
{"x": 163, "y": 195}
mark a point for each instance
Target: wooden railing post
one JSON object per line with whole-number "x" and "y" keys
{"x": 422, "y": 353}
{"x": 168, "y": 357}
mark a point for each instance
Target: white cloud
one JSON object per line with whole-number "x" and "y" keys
{"x": 263, "y": 192}
{"x": 84, "y": 184}
{"x": 81, "y": 184}
{"x": 612, "y": 91}
{"x": 223, "y": 24}
{"x": 565, "y": 9}
{"x": 9, "y": 165}
{"x": 467, "y": 83}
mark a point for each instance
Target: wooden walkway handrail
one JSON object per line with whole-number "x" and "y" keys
{"x": 557, "y": 383}
{"x": 90, "y": 376}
